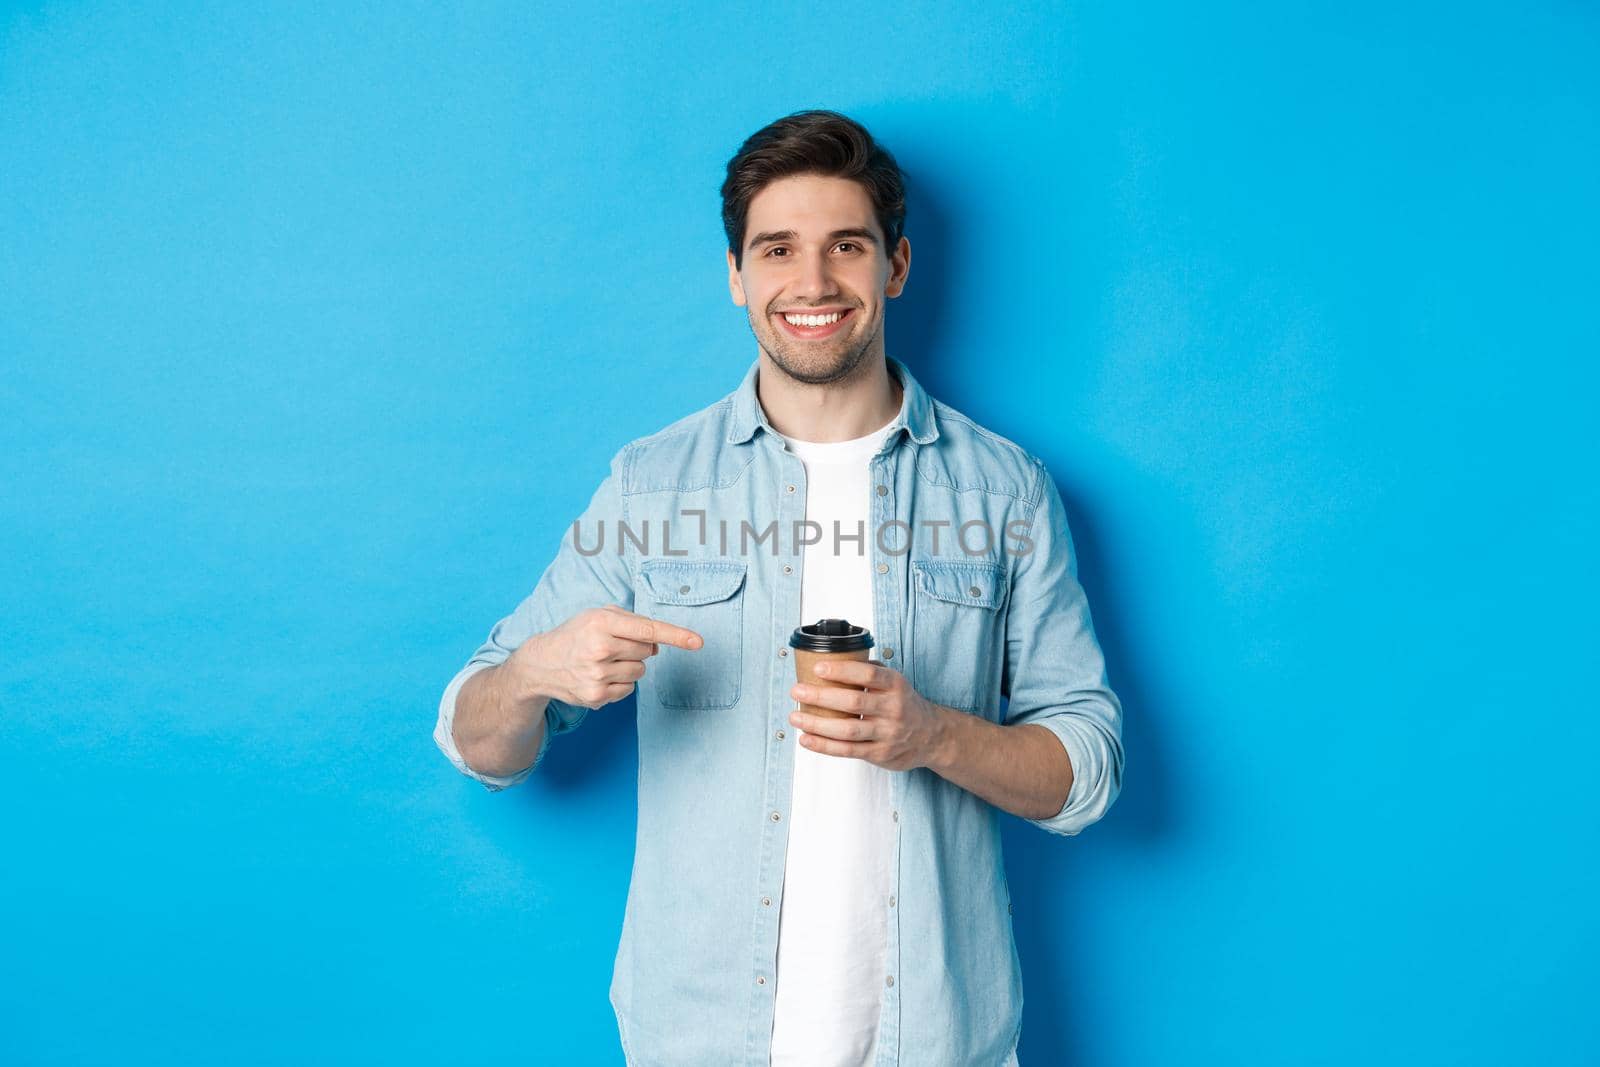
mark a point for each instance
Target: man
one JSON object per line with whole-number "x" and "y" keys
{"x": 807, "y": 889}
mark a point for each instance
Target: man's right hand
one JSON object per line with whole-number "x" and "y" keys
{"x": 595, "y": 657}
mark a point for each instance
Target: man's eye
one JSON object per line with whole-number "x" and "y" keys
{"x": 846, "y": 244}
{"x": 775, "y": 251}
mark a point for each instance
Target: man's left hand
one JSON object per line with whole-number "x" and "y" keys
{"x": 899, "y": 729}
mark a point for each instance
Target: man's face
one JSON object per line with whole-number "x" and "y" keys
{"x": 812, "y": 246}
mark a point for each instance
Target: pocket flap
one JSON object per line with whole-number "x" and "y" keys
{"x": 696, "y": 581}
{"x": 974, "y": 583}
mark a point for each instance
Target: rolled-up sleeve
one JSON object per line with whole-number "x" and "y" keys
{"x": 1055, "y": 674}
{"x": 574, "y": 581}
{"x": 444, "y": 735}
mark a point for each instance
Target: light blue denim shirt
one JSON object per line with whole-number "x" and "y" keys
{"x": 975, "y": 597}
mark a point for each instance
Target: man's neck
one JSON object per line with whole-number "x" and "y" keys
{"x": 837, "y": 411}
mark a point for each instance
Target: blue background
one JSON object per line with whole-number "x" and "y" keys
{"x": 318, "y": 328}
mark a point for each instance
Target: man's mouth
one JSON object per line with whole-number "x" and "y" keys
{"x": 813, "y": 325}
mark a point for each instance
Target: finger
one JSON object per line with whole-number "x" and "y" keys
{"x": 598, "y": 694}
{"x": 871, "y": 674}
{"x": 621, "y": 670}
{"x": 854, "y": 701}
{"x": 831, "y": 747}
{"x": 644, "y": 628}
{"x": 835, "y": 729}
{"x": 623, "y": 648}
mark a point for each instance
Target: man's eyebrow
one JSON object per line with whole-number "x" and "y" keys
{"x": 789, "y": 235}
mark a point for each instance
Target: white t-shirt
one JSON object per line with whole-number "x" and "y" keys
{"x": 833, "y": 924}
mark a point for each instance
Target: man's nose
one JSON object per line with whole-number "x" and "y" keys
{"x": 816, "y": 279}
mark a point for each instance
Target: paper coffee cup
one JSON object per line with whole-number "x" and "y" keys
{"x": 823, "y": 641}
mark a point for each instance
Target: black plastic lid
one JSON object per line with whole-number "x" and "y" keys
{"x": 831, "y": 635}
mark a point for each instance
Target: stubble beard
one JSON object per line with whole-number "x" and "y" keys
{"x": 814, "y": 364}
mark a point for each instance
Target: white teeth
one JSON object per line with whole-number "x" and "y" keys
{"x": 813, "y": 320}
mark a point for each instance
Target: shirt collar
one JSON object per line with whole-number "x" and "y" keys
{"x": 916, "y": 407}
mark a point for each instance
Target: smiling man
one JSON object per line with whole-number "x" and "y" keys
{"x": 812, "y": 889}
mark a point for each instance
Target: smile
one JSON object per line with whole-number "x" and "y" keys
{"x": 813, "y": 326}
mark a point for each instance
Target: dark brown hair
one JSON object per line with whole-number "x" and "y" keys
{"x": 813, "y": 142}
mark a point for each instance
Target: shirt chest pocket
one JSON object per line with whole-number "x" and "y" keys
{"x": 956, "y": 631}
{"x": 706, "y": 596}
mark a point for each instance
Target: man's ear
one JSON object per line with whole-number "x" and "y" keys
{"x": 899, "y": 269}
{"x": 735, "y": 286}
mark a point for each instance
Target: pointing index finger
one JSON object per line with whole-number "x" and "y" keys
{"x": 644, "y": 628}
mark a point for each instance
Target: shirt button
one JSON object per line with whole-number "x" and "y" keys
{"x": 974, "y": 591}
{"x": 776, "y": 816}
{"x": 683, "y": 589}
{"x": 780, "y": 735}
{"x": 883, "y": 490}
{"x": 891, "y": 902}
{"x": 883, "y": 568}
{"x": 890, "y": 981}
{"x": 888, "y": 653}
{"x": 783, "y": 652}
{"x": 766, "y": 901}
{"x": 788, "y": 489}
{"x": 895, "y": 815}
{"x": 761, "y": 979}
{"x": 788, "y": 569}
